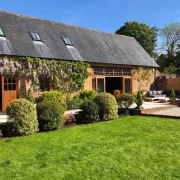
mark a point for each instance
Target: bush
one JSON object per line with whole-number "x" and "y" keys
{"x": 22, "y": 119}
{"x": 139, "y": 100}
{"x": 50, "y": 115}
{"x": 55, "y": 96}
{"x": 30, "y": 97}
{"x": 70, "y": 119}
{"x": 172, "y": 94}
{"x": 74, "y": 103}
{"x": 87, "y": 94}
{"x": 108, "y": 108}
{"x": 90, "y": 112}
{"x": 139, "y": 95}
{"x": 125, "y": 100}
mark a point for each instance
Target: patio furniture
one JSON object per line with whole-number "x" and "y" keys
{"x": 156, "y": 94}
{"x": 163, "y": 100}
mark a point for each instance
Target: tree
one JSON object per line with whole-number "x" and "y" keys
{"x": 145, "y": 35}
{"x": 142, "y": 76}
{"x": 170, "y": 36}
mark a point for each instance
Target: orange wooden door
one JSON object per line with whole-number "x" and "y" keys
{"x": 9, "y": 91}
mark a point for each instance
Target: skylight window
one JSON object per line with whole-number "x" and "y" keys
{"x": 2, "y": 32}
{"x": 67, "y": 41}
{"x": 35, "y": 36}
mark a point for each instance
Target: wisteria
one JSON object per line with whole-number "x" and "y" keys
{"x": 63, "y": 75}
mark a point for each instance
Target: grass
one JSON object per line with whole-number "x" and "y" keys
{"x": 128, "y": 148}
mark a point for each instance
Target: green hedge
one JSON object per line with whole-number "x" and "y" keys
{"x": 22, "y": 119}
{"x": 87, "y": 94}
{"x": 125, "y": 100}
{"x": 50, "y": 115}
{"x": 55, "y": 96}
{"x": 89, "y": 114}
{"x": 108, "y": 108}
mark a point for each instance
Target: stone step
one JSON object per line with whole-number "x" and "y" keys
{"x": 3, "y": 118}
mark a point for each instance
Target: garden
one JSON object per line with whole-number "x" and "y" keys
{"x": 49, "y": 111}
{"x": 132, "y": 147}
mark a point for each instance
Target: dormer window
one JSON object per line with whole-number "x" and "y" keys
{"x": 2, "y": 32}
{"x": 67, "y": 41}
{"x": 35, "y": 36}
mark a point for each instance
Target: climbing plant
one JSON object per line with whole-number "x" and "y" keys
{"x": 67, "y": 76}
{"x": 142, "y": 76}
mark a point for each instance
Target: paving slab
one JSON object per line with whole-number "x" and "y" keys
{"x": 174, "y": 112}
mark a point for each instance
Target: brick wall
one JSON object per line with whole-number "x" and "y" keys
{"x": 164, "y": 83}
{"x": 88, "y": 81}
{"x": 146, "y": 85}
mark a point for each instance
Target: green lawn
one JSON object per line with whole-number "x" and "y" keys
{"x": 128, "y": 148}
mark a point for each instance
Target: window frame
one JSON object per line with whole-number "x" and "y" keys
{"x": 67, "y": 41}
{"x": 2, "y": 35}
{"x": 35, "y": 36}
{"x": 10, "y": 84}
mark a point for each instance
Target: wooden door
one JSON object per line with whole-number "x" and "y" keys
{"x": 9, "y": 91}
{"x": 100, "y": 84}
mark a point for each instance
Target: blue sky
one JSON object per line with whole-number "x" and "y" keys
{"x": 104, "y": 15}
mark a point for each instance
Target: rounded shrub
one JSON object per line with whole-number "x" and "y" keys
{"x": 89, "y": 113}
{"x": 55, "y": 96}
{"x": 87, "y": 94}
{"x": 108, "y": 108}
{"x": 22, "y": 119}
{"x": 50, "y": 115}
{"x": 125, "y": 100}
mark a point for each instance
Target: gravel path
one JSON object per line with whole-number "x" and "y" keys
{"x": 168, "y": 112}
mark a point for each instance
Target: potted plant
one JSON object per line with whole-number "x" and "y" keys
{"x": 139, "y": 100}
{"x": 172, "y": 97}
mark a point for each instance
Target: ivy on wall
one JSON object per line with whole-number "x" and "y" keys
{"x": 66, "y": 76}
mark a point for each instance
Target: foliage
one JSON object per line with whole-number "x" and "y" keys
{"x": 108, "y": 107}
{"x": 87, "y": 94}
{"x": 170, "y": 69}
{"x": 139, "y": 99}
{"x": 125, "y": 100}
{"x": 172, "y": 94}
{"x": 170, "y": 36}
{"x": 74, "y": 103}
{"x": 89, "y": 112}
{"x": 55, "y": 96}
{"x": 22, "y": 119}
{"x": 142, "y": 76}
{"x": 145, "y": 35}
{"x": 139, "y": 95}
{"x": 30, "y": 97}
{"x": 69, "y": 119}
{"x": 50, "y": 115}
{"x": 66, "y": 76}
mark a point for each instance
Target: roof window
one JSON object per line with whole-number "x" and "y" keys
{"x": 2, "y": 32}
{"x": 67, "y": 41}
{"x": 35, "y": 36}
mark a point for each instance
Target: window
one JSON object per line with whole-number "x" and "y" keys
{"x": 2, "y": 32}
{"x": 9, "y": 84}
{"x": 67, "y": 41}
{"x": 35, "y": 36}
{"x": 44, "y": 83}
